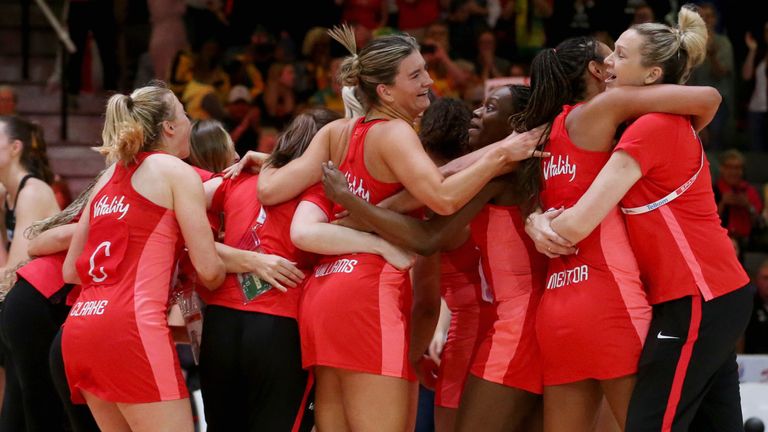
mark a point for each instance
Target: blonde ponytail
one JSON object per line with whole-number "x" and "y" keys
{"x": 133, "y": 123}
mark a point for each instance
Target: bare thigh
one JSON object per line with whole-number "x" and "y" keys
{"x": 445, "y": 419}
{"x": 107, "y": 415}
{"x": 166, "y": 416}
{"x": 378, "y": 403}
{"x": 489, "y": 406}
{"x": 606, "y": 422}
{"x": 618, "y": 392}
{"x": 572, "y": 407}
{"x": 329, "y": 407}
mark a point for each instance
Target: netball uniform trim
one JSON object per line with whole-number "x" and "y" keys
{"x": 671, "y": 196}
{"x": 597, "y": 290}
{"x": 513, "y": 271}
{"x": 126, "y": 268}
{"x": 460, "y": 287}
{"x": 373, "y": 297}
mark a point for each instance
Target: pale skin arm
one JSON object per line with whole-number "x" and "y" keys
{"x": 441, "y": 332}
{"x": 35, "y": 202}
{"x": 614, "y": 181}
{"x": 54, "y": 240}
{"x": 189, "y": 207}
{"x": 417, "y": 172}
{"x": 280, "y": 185}
{"x": 273, "y": 269}
{"x": 748, "y": 69}
{"x": 310, "y": 231}
{"x": 445, "y": 196}
{"x": 593, "y": 125}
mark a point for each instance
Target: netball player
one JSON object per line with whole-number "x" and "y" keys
{"x": 26, "y": 177}
{"x": 687, "y": 377}
{"x": 118, "y": 353}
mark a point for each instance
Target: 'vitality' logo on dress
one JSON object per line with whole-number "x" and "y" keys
{"x": 103, "y": 207}
{"x": 559, "y": 167}
{"x": 356, "y": 187}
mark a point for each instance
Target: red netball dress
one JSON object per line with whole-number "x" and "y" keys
{"x": 116, "y": 342}
{"x": 512, "y": 275}
{"x": 460, "y": 287}
{"x": 270, "y": 228}
{"x": 594, "y": 315}
{"x": 355, "y": 310}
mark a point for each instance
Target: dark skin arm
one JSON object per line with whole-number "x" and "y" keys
{"x": 422, "y": 237}
{"x": 426, "y": 308}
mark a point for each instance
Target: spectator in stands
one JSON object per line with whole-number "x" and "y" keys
{"x": 643, "y": 14}
{"x": 243, "y": 122}
{"x": 371, "y": 14}
{"x": 756, "y": 335}
{"x": 755, "y": 69}
{"x": 8, "y": 100}
{"x": 209, "y": 69}
{"x": 330, "y": 95}
{"x": 168, "y": 34}
{"x": 97, "y": 17}
{"x": 467, "y": 19}
{"x": 314, "y": 74}
{"x": 448, "y": 77}
{"x": 414, "y": 16}
{"x": 716, "y": 71}
{"x": 738, "y": 202}
{"x": 488, "y": 64}
{"x": 201, "y": 102}
{"x": 278, "y": 102}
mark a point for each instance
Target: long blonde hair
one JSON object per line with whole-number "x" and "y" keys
{"x": 134, "y": 123}
{"x": 677, "y": 50}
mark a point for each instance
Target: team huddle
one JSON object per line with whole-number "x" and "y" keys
{"x": 569, "y": 227}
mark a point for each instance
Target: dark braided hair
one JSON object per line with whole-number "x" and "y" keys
{"x": 34, "y": 153}
{"x": 557, "y": 79}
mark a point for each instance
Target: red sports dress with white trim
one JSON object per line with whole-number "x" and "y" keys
{"x": 593, "y": 316}
{"x": 460, "y": 287}
{"x": 270, "y": 226}
{"x": 116, "y": 342}
{"x": 512, "y": 276}
{"x": 355, "y": 310}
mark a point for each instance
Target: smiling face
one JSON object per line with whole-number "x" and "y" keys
{"x": 624, "y": 67}
{"x": 490, "y": 122}
{"x": 410, "y": 91}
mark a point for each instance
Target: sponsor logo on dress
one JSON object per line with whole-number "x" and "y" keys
{"x": 343, "y": 265}
{"x": 88, "y": 308}
{"x": 568, "y": 277}
{"x": 104, "y": 206}
{"x": 555, "y": 167}
{"x": 356, "y": 187}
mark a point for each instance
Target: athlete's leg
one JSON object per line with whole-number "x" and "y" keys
{"x": 271, "y": 363}
{"x": 618, "y": 392}
{"x": 721, "y": 408}
{"x": 166, "y": 416}
{"x": 571, "y": 407}
{"x": 329, "y": 406}
{"x": 221, "y": 381}
{"x": 80, "y": 417}
{"x": 377, "y": 403}
{"x": 689, "y": 343}
{"x": 445, "y": 419}
{"x": 489, "y": 406}
{"x": 107, "y": 414}
{"x": 606, "y": 422}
